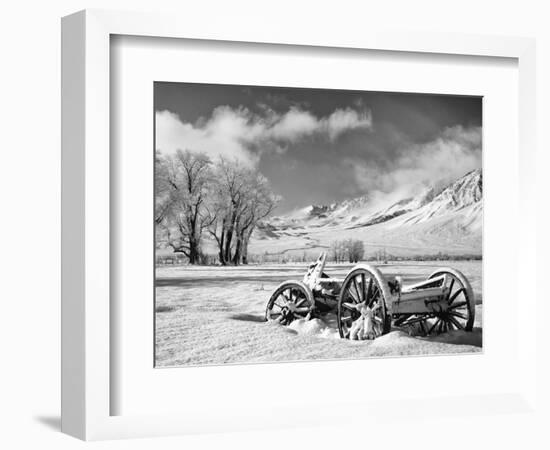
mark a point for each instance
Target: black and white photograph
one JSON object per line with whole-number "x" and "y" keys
{"x": 233, "y": 198}
{"x": 296, "y": 224}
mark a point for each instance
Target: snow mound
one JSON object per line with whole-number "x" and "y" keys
{"x": 393, "y": 338}
{"x": 314, "y": 327}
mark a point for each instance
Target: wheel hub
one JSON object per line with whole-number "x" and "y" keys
{"x": 291, "y": 307}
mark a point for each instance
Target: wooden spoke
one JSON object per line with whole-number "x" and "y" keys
{"x": 353, "y": 297}
{"x": 434, "y": 325}
{"x": 349, "y": 306}
{"x": 369, "y": 289}
{"x": 363, "y": 288}
{"x": 457, "y": 314}
{"x": 456, "y": 323}
{"x": 451, "y": 288}
{"x": 281, "y": 299}
{"x": 456, "y": 294}
{"x": 375, "y": 294}
{"x": 301, "y": 301}
{"x": 458, "y": 305}
{"x": 356, "y": 289}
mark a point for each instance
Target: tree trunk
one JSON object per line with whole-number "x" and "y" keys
{"x": 246, "y": 240}
{"x": 238, "y": 247}
{"x": 228, "y": 239}
{"x": 192, "y": 238}
{"x": 220, "y": 249}
{"x": 245, "y": 253}
{"x": 193, "y": 249}
{"x": 221, "y": 242}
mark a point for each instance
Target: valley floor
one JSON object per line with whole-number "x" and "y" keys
{"x": 215, "y": 315}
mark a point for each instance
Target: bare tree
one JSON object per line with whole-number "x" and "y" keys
{"x": 163, "y": 189}
{"x": 352, "y": 250}
{"x": 337, "y": 251}
{"x": 240, "y": 198}
{"x": 224, "y": 206}
{"x": 260, "y": 202}
{"x": 355, "y": 250}
{"x": 184, "y": 179}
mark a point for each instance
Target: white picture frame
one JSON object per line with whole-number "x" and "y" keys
{"x": 86, "y": 247}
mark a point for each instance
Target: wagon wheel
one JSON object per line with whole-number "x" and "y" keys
{"x": 292, "y": 300}
{"x": 460, "y": 313}
{"x": 363, "y": 284}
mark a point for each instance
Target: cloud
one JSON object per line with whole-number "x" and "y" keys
{"x": 343, "y": 120}
{"x": 456, "y": 151}
{"x": 244, "y": 135}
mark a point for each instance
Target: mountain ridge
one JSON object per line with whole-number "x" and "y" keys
{"x": 438, "y": 218}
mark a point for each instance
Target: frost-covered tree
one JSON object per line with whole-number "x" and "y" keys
{"x": 181, "y": 184}
{"x": 337, "y": 251}
{"x": 240, "y": 198}
{"x": 351, "y": 250}
{"x": 355, "y": 250}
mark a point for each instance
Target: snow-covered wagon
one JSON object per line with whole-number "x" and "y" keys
{"x": 367, "y": 303}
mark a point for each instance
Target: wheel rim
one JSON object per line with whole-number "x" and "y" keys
{"x": 288, "y": 303}
{"x": 459, "y": 314}
{"x": 360, "y": 286}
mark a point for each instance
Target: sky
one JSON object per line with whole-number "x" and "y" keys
{"x": 319, "y": 146}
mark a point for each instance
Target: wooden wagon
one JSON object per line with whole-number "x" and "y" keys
{"x": 367, "y": 303}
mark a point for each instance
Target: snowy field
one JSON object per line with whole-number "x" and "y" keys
{"x": 215, "y": 315}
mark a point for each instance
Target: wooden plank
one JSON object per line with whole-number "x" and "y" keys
{"x": 423, "y": 305}
{"x": 419, "y": 286}
{"x": 330, "y": 280}
{"x": 423, "y": 294}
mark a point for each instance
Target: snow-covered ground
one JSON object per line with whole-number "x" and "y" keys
{"x": 215, "y": 315}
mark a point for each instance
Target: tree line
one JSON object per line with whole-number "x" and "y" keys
{"x": 350, "y": 250}
{"x": 197, "y": 197}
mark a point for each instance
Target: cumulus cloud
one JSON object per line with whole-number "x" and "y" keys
{"x": 456, "y": 151}
{"x": 242, "y": 134}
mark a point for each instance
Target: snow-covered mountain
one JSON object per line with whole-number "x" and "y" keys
{"x": 343, "y": 212}
{"x": 464, "y": 193}
{"x": 446, "y": 218}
